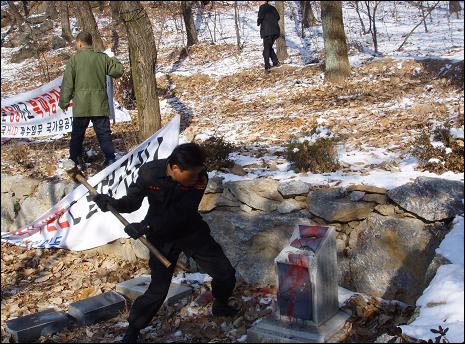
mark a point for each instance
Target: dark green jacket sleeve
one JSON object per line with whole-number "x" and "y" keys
{"x": 114, "y": 67}
{"x": 67, "y": 85}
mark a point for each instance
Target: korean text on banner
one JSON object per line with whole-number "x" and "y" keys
{"x": 75, "y": 222}
{"x": 36, "y": 113}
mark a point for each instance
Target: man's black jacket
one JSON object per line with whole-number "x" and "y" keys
{"x": 268, "y": 18}
{"x": 173, "y": 208}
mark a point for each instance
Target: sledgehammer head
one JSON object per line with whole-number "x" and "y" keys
{"x": 71, "y": 168}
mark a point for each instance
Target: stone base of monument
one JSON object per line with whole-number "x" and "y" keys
{"x": 270, "y": 330}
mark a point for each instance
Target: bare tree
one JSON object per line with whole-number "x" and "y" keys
{"x": 357, "y": 10}
{"x": 416, "y": 26}
{"x": 372, "y": 7}
{"x": 51, "y": 10}
{"x": 308, "y": 18}
{"x": 64, "y": 16}
{"x": 236, "y": 24}
{"x": 281, "y": 50}
{"x": 25, "y": 8}
{"x": 87, "y": 22}
{"x": 17, "y": 17}
{"x": 454, "y": 7}
{"x": 337, "y": 67}
{"x": 191, "y": 32}
{"x": 143, "y": 57}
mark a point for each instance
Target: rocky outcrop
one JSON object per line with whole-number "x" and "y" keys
{"x": 432, "y": 199}
{"x": 385, "y": 240}
{"x": 25, "y": 199}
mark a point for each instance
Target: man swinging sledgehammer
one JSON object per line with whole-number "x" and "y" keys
{"x": 174, "y": 188}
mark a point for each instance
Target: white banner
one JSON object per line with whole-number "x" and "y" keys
{"x": 76, "y": 223}
{"x": 36, "y": 113}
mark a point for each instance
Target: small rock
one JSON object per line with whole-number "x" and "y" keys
{"x": 377, "y": 198}
{"x": 386, "y": 209}
{"x": 238, "y": 322}
{"x": 293, "y": 188}
{"x": 289, "y": 205}
{"x": 215, "y": 185}
{"x": 366, "y": 188}
{"x": 356, "y": 196}
{"x": 238, "y": 170}
{"x": 58, "y": 42}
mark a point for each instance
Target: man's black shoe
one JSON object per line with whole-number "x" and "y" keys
{"x": 131, "y": 336}
{"x": 109, "y": 162}
{"x": 221, "y": 309}
{"x": 277, "y": 64}
{"x": 268, "y": 70}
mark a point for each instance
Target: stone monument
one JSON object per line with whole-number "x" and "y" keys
{"x": 306, "y": 309}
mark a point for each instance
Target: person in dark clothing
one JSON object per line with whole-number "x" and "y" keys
{"x": 268, "y": 20}
{"x": 174, "y": 187}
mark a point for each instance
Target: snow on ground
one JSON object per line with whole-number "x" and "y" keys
{"x": 442, "y": 302}
{"x": 377, "y": 177}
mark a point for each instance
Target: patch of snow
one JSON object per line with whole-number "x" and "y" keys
{"x": 457, "y": 132}
{"x": 452, "y": 246}
{"x": 442, "y": 302}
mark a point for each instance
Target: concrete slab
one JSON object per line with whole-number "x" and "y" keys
{"x": 97, "y": 308}
{"x": 28, "y": 328}
{"x": 135, "y": 287}
{"x": 271, "y": 330}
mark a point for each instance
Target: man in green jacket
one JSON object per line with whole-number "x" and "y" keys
{"x": 84, "y": 82}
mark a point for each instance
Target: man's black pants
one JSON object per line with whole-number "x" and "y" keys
{"x": 211, "y": 259}
{"x": 268, "y": 51}
{"x": 101, "y": 126}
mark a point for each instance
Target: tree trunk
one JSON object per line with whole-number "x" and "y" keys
{"x": 454, "y": 7}
{"x": 25, "y": 8}
{"x": 281, "y": 50}
{"x": 236, "y": 24}
{"x": 143, "y": 56}
{"x": 191, "y": 32}
{"x": 64, "y": 15}
{"x": 87, "y": 22}
{"x": 337, "y": 67}
{"x": 115, "y": 25}
{"x": 308, "y": 18}
{"x": 51, "y": 10}
{"x": 17, "y": 17}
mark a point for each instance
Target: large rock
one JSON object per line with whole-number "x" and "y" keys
{"x": 252, "y": 241}
{"x": 261, "y": 193}
{"x": 18, "y": 186}
{"x": 293, "y": 188}
{"x": 46, "y": 195}
{"x": 334, "y": 205}
{"x": 30, "y": 209}
{"x": 433, "y": 199}
{"x": 390, "y": 256}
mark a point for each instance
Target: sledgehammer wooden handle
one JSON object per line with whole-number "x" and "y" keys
{"x": 125, "y": 222}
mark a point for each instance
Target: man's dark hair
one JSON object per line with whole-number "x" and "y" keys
{"x": 85, "y": 38}
{"x": 187, "y": 155}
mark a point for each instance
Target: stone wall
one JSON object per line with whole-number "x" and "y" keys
{"x": 386, "y": 240}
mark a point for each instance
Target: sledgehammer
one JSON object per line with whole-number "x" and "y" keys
{"x": 71, "y": 168}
